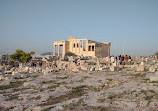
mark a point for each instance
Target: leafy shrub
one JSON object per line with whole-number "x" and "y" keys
{"x": 70, "y": 54}
{"x": 92, "y": 63}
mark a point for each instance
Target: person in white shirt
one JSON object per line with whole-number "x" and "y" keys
{"x": 112, "y": 59}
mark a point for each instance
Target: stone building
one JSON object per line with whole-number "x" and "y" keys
{"x": 83, "y": 47}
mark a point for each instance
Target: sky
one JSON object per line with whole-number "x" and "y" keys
{"x": 32, "y": 25}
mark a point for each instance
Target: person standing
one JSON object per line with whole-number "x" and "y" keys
{"x": 122, "y": 60}
{"x": 112, "y": 59}
{"x": 107, "y": 60}
{"x": 126, "y": 59}
{"x": 116, "y": 61}
{"x": 129, "y": 60}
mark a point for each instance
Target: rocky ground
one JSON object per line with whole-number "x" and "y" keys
{"x": 126, "y": 90}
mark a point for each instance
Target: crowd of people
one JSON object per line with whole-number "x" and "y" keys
{"x": 119, "y": 60}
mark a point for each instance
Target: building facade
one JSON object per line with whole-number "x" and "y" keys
{"x": 80, "y": 47}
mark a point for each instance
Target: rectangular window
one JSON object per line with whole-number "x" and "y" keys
{"x": 92, "y": 48}
{"x": 89, "y": 48}
{"x": 84, "y": 45}
{"x": 61, "y": 50}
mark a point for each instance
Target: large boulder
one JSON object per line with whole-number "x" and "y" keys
{"x": 152, "y": 69}
{"x": 92, "y": 69}
{"x": 84, "y": 68}
{"x": 140, "y": 68}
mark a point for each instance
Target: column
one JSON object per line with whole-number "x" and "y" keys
{"x": 64, "y": 45}
{"x": 58, "y": 50}
{"x": 91, "y": 48}
{"x": 82, "y": 45}
{"x": 53, "y": 50}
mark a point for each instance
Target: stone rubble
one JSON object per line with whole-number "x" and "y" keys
{"x": 96, "y": 85}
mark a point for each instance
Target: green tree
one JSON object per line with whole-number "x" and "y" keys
{"x": 70, "y": 54}
{"x": 21, "y": 56}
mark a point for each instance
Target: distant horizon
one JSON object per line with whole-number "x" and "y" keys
{"x": 131, "y": 26}
{"x": 110, "y": 55}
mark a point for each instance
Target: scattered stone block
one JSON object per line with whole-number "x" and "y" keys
{"x": 140, "y": 68}
{"x": 47, "y": 71}
{"x": 152, "y": 69}
{"x": 75, "y": 69}
{"x": 6, "y": 78}
{"x": 143, "y": 103}
{"x": 97, "y": 68}
{"x": 82, "y": 62}
{"x": 101, "y": 68}
{"x": 84, "y": 68}
{"x": 12, "y": 69}
{"x": 114, "y": 68}
{"x": 15, "y": 73}
{"x": 92, "y": 69}
{"x": 71, "y": 58}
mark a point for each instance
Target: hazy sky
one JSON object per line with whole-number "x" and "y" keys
{"x": 34, "y": 24}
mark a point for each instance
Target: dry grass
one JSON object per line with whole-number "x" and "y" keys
{"x": 76, "y": 92}
{"x": 12, "y": 85}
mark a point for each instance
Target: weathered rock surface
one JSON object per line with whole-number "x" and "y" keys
{"x": 153, "y": 78}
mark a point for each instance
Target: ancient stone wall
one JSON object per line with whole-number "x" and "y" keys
{"x": 83, "y": 47}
